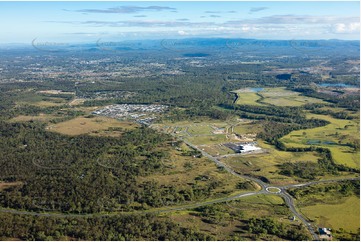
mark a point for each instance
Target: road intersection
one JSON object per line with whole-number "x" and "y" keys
{"x": 264, "y": 189}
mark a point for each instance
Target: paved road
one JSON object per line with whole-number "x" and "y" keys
{"x": 319, "y": 182}
{"x": 289, "y": 201}
{"x": 282, "y": 192}
{"x": 154, "y": 210}
{"x": 227, "y": 168}
{"x": 241, "y": 154}
{"x": 287, "y": 198}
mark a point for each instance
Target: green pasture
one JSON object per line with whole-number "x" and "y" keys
{"x": 278, "y": 96}
{"x": 281, "y": 97}
{"x": 335, "y": 136}
{"x": 248, "y": 98}
{"x": 344, "y": 214}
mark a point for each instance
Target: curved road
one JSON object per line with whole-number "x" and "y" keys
{"x": 289, "y": 201}
{"x": 282, "y": 189}
{"x": 264, "y": 190}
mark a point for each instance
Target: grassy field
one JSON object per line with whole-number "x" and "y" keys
{"x": 278, "y": 96}
{"x": 282, "y": 97}
{"x": 40, "y": 100}
{"x": 209, "y": 132}
{"x": 248, "y": 98}
{"x": 208, "y": 140}
{"x": 265, "y": 164}
{"x": 41, "y": 117}
{"x": 343, "y": 214}
{"x": 353, "y": 114}
{"x": 50, "y": 102}
{"x": 247, "y": 127}
{"x": 48, "y": 98}
{"x": 200, "y": 129}
{"x": 333, "y": 136}
{"x": 259, "y": 199}
{"x": 93, "y": 125}
{"x": 332, "y": 205}
{"x": 216, "y": 150}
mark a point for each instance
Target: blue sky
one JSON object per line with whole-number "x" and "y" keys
{"x": 22, "y": 22}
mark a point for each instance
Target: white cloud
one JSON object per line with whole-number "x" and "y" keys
{"x": 297, "y": 19}
{"x": 126, "y": 9}
{"x": 181, "y": 32}
{"x": 276, "y": 26}
{"x": 342, "y": 28}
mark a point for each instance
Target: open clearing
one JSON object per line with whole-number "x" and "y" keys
{"x": 248, "y": 98}
{"x": 217, "y": 138}
{"x": 344, "y": 214}
{"x": 282, "y": 97}
{"x": 83, "y": 125}
{"x": 210, "y": 133}
{"x": 265, "y": 165}
{"x": 216, "y": 150}
{"x": 43, "y": 99}
{"x": 41, "y": 117}
{"x": 334, "y": 136}
{"x": 4, "y": 185}
{"x": 273, "y": 96}
{"x": 50, "y": 102}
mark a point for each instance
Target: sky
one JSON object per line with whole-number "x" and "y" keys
{"x": 23, "y": 22}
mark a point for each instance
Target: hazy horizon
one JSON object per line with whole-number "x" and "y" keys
{"x": 85, "y": 22}
{"x": 39, "y": 42}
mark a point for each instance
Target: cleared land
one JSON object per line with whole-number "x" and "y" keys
{"x": 343, "y": 214}
{"x": 42, "y": 101}
{"x": 334, "y": 136}
{"x": 266, "y": 164}
{"x": 51, "y": 102}
{"x": 278, "y": 96}
{"x": 48, "y": 98}
{"x": 210, "y": 135}
{"x": 248, "y": 98}
{"x": 216, "y": 150}
{"x": 4, "y": 185}
{"x": 282, "y": 97}
{"x": 93, "y": 125}
{"x": 41, "y": 117}
{"x": 248, "y": 127}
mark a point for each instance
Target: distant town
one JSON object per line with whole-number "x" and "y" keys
{"x": 142, "y": 114}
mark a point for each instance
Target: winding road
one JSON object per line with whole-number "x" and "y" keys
{"x": 281, "y": 189}
{"x": 264, "y": 189}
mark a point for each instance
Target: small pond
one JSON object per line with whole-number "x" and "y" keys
{"x": 319, "y": 142}
{"x": 256, "y": 89}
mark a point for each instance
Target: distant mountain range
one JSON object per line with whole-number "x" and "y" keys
{"x": 196, "y": 45}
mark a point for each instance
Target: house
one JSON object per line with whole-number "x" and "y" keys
{"x": 325, "y": 233}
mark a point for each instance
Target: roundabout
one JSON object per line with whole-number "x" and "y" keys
{"x": 275, "y": 190}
